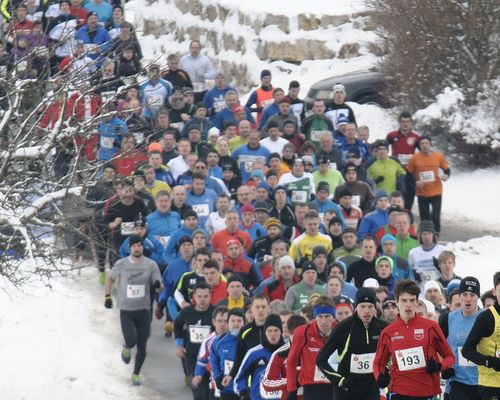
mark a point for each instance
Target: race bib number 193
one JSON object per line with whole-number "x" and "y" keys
{"x": 410, "y": 359}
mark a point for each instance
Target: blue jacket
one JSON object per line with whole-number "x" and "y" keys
{"x": 255, "y": 232}
{"x": 358, "y": 147}
{"x": 151, "y": 245}
{"x": 204, "y": 124}
{"x": 328, "y": 205}
{"x": 458, "y": 330}
{"x": 228, "y": 115}
{"x": 253, "y": 365}
{"x": 244, "y": 155}
{"x": 170, "y": 251}
{"x": 214, "y": 98}
{"x": 162, "y": 174}
{"x": 215, "y": 172}
{"x": 203, "y": 204}
{"x": 267, "y": 113}
{"x": 101, "y": 39}
{"x": 104, "y": 10}
{"x": 222, "y": 357}
{"x": 171, "y": 276}
{"x": 349, "y": 290}
{"x": 371, "y": 222}
{"x": 187, "y": 178}
{"x": 110, "y": 137}
{"x": 163, "y": 224}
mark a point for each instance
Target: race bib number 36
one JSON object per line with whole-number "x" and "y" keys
{"x": 362, "y": 363}
{"x": 136, "y": 291}
{"x": 410, "y": 359}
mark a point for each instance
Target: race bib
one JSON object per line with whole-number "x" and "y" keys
{"x": 362, "y": 363}
{"x": 351, "y": 222}
{"x": 299, "y": 196}
{"x": 462, "y": 361}
{"x": 127, "y": 228}
{"x": 426, "y": 276}
{"x": 497, "y": 353}
{"x": 228, "y": 365}
{"x": 139, "y": 137}
{"x": 201, "y": 209}
{"x": 267, "y": 103}
{"x": 197, "y": 333}
{"x": 247, "y": 165}
{"x": 333, "y": 165}
{"x": 267, "y": 257}
{"x": 177, "y": 125}
{"x": 315, "y": 135}
{"x": 427, "y": 176}
{"x": 198, "y": 86}
{"x": 155, "y": 100}
{"x": 136, "y": 291}
{"x": 219, "y": 106}
{"x": 320, "y": 376}
{"x": 107, "y": 142}
{"x": 410, "y": 359}
{"x": 275, "y": 394}
{"x": 404, "y": 158}
{"x": 356, "y": 200}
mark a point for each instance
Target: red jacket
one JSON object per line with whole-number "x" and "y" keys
{"x": 126, "y": 163}
{"x": 219, "y": 292}
{"x": 244, "y": 268}
{"x": 51, "y": 115}
{"x": 276, "y": 289}
{"x": 274, "y": 378}
{"x": 219, "y": 239}
{"x": 423, "y": 336}
{"x": 306, "y": 344}
{"x": 403, "y": 145}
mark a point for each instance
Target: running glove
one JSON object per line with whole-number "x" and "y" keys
{"x": 108, "y": 302}
{"x": 379, "y": 179}
{"x": 292, "y": 396}
{"x": 384, "y": 379}
{"x": 432, "y": 366}
{"x": 448, "y": 373}
{"x": 493, "y": 362}
{"x": 157, "y": 284}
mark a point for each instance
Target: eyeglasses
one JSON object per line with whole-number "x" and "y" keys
{"x": 200, "y": 167}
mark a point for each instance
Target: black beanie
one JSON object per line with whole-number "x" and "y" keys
{"x": 136, "y": 239}
{"x": 273, "y": 320}
{"x": 366, "y": 295}
{"x": 469, "y": 284}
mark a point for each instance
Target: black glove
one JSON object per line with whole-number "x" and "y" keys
{"x": 432, "y": 366}
{"x": 384, "y": 379}
{"x": 494, "y": 363}
{"x": 291, "y": 396}
{"x": 157, "y": 284}
{"x": 379, "y": 179}
{"x": 108, "y": 302}
{"x": 245, "y": 395}
{"x": 218, "y": 383}
{"x": 346, "y": 383}
{"x": 448, "y": 373}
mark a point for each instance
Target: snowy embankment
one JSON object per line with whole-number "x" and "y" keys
{"x": 61, "y": 343}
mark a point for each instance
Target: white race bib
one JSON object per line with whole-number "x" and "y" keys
{"x": 219, "y": 106}
{"x": 275, "y": 394}
{"x": 177, "y": 125}
{"x": 351, "y": 222}
{"x": 248, "y": 166}
{"x": 197, "y": 333}
{"x": 404, "y": 158}
{"x": 299, "y": 196}
{"x": 320, "y": 376}
{"x": 362, "y": 363}
{"x": 107, "y": 142}
{"x": 127, "y": 228}
{"x": 198, "y": 86}
{"x": 155, "y": 100}
{"x": 315, "y": 135}
{"x": 228, "y": 365}
{"x": 139, "y": 137}
{"x": 356, "y": 200}
{"x": 136, "y": 291}
{"x": 462, "y": 361}
{"x": 427, "y": 176}
{"x": 410, "y": 359}
{"x": 201, "y": 209}
{"x": 333, "y": 166}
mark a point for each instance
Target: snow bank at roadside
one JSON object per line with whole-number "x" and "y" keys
{"x": 62, "y": 344}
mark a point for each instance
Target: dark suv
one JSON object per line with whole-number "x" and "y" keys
{"x": 362, "y": 87}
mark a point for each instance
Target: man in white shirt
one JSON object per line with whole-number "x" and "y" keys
{"x": 274, "y": 142}
{"x": 199, "y": 67}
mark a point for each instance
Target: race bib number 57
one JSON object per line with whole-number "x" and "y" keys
{"x": 410, "y": 359}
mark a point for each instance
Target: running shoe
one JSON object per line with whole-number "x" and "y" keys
{"x": 136, "y": 380}
{"x": 169, "y": 328}
{"x": 102, "y": 277}
{"x": 126, "y": 354}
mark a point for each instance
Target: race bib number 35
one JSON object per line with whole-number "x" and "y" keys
{"x": 362, "y": 363}
{"x": 198, "y": 334}
{"x": 410, "y": 359}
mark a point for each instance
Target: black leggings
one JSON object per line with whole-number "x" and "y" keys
{"x": 136, "y": 326}
{"x": 461, "y": 391}
{"x": 319, "y": 392}
{"x": 395, "y": 396}
{"x": 489, "y": 393}
{"x": 424, "y": 206}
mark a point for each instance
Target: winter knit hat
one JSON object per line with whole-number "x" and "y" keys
{"x": 272, "y": 222}
{"x": 366, "y": 295}
{"x": 339, "y": 88}
{"x": 264, "y": 73}
{"x": 273, "y": 320}
{"x": 386, "y": 258}
{"x": 380, "y": 194}
{"x": 247, "y": 208}
{"x": 286, "y": 261}
{"x": 387, "y": 238}
{"x": 469, "y": 284}
{"x": 318, "y": 250}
